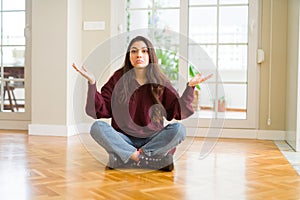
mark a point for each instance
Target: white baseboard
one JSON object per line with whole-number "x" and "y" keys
{"x": 271, "y": 135}
{"x": 236, "y": 133}
{"x": 57, "y": 130}
{"x": 66, "y": 131}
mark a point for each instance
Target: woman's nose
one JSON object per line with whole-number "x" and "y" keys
{"x": 139, "y": 54}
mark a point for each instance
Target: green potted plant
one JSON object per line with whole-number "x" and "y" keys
{"x": 196, "y": 102}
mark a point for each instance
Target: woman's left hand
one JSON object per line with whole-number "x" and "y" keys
{"x": 199, "y": 78}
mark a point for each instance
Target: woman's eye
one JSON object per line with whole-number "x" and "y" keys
{"x": 133, "y": 51}
{"x": 144, "y": 50}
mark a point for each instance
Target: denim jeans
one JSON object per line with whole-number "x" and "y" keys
{"x": 124, "y": 145}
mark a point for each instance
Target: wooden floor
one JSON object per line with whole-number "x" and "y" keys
{"x": 36, "y": 167}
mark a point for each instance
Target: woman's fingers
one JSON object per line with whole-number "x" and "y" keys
{"x": 204, "y": 78}
{"x": 207, "y": 77}
{"x": 75, "y": 67}
{"x": 199, "y": 78}
{"x": 84, "y": 72}
{"x": 84, "y": 69}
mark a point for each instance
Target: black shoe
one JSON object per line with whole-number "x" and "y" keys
{"x": 169, "y": 165}
{"x": 167, "y": 168}
{"x": 164, "y": 163}
{"x": 115, "y": 162}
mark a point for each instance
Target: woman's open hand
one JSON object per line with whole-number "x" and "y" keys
{"x": 199, "y": 78}
{"x": 84, "y": 72}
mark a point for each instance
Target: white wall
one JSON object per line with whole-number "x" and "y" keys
{"x": 56, "y": 42}
{"x": 49, "y": 52}
{"x": 292, "y": 72}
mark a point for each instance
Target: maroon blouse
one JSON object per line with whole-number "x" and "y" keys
{"x": 134, "y": 118}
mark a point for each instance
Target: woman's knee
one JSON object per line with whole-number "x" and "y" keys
{"x": 179, "y": 129}
{"x": 97, "y": 128}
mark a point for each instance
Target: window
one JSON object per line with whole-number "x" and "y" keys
{"x": 12, "y": 61}
{"x": 222, "y": 39}
{"x": 14, "y": 65}
{"x": 220, "y": 28}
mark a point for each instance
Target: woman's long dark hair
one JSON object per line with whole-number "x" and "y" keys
{"x": 154, "y": 75}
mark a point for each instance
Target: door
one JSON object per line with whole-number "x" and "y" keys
{"x": 14, "y": 63}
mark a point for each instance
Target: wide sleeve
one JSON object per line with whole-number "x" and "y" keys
{"x": 98, "y": 105}
{"x": 178, "y": 107}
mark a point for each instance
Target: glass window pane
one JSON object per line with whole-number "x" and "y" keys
{"x": 13, "y": 56}
{"x": 13, "y": 28}
{"x": 13, "y": 96}
{"x": 167, "y": 19}
{"x": 139, "y": 3}
{"x": 234, "y": 101}
{"x": 203, "y": 59}
{"x": 234, "y": 2}
{"x": 203, "y": 25}
{"x": 165, "y": 39}
{"x": 14, "y": 72}
{"x": 168, "y": 61}
{"x": 13, "y": 4}
{"x": 1, "y": 85}
{"x": 202, "y": 2}
{"x": 166, "y": 3}
{"x": 234, "y": 24}
{"x": 233, "y": 63}
{"x": 13, "y": 90}
{"x": 139, "y": 19}
{"x": 206, "y": 100}
{"x": 227, "y": 75}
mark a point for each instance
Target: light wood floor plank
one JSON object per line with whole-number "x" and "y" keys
{"x": 37, "y": 167}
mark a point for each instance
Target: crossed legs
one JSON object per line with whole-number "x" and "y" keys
{"x": 129, "y": 147}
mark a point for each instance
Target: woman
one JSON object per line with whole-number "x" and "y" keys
{"x": 137, "y": 97}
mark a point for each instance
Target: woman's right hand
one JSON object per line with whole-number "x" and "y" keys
{"x": 84, "y": 72}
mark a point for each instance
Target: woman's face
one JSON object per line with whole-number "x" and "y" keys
{"x": 139, "y": 56}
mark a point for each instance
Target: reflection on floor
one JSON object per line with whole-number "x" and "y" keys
{"x": 292, "y": 156}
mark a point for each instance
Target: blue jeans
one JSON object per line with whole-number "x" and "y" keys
{"x": 124, "y": 145}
